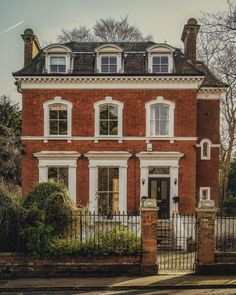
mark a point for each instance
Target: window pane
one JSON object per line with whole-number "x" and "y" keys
{"x": 164, "y": 59}
{"x": 62, "y": 127}
{"x": 113, "y": 60}
{"x": 104, "y": 60}
{"x": 53, "y": 127}
{"x": 61, "y": 69}
{"x": 113, "y": 179}
{"x": 53, "y": 69}
{"x": 61, "y": 60}
{"x": 113, "y": 69}
{"x": 205, "y": 149}
{"x": 156, "y": 60}
{"x": 52, "y": 174}
{"x": 164, "y": 69}
{"x": 103, "y": 127}
{"x": 63, "y": 175}
{"x": 53, "y": 60}
{"x": 104, "y": 111}
{"x": 163, "y": 128}
{"x": 104, "y": 69}
{"x": 113, "y": 203}
{"x": 53, "y": 114}
{"x": 102, "y": 179}
{"x": 62, "y": 114}
{"x": 113, "y": 112}
{"x": 113, "y": 128}
{"x": 103, "y": 203}
{"x": 156, "y": 69}
{"x": 163, "y": 112}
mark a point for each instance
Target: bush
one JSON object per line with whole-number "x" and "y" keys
{"x": 113, "y": 242}
{"x": 228, "y": 206}
{"x": 37, "y": 235}
{"x": 11, "y": 222}
{"x": 54, "y": 200}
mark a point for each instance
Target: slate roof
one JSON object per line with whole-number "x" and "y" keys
{"x": 135, "y": 62}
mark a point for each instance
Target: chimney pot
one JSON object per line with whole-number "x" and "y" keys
{"x": 31, "y": 47}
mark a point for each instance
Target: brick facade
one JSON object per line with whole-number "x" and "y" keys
{"x": 188, "y": 122}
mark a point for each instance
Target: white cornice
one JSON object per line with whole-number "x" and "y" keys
{"x": 68, "y": 155}
{"x": 211, "y": 93}
{"x": 99, "y": 82}
{"x": 160, "y": 155}
{"x": 92, "y": 155}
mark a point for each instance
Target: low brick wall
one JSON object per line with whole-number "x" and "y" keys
{"x": 225, "y": 257}
{"x": 20, "y": 265}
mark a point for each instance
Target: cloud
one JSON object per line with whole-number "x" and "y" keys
{"x": 11, "y": 28}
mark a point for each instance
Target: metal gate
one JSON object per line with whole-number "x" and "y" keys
{"x": 177, "y": 242}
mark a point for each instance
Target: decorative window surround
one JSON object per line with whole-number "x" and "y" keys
{"x": 59, "y": 158}
{"x": 159, "y": 50}
{"x": 208, "y": 152}
{"x": 160, "y": 159}
{"x": 57, "y": 50}
{"x": 120, "y": 105}
{"x": 47, "y": 135}
{"x": 109, "y": 50}
{"x": 204, "y": 193}
{"x": 107, "y": 159}
{"x": 171, "y": 105}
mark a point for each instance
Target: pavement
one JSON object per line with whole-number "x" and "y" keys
{"x": 157, "y": 282}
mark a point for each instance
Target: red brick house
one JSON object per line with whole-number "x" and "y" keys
{"x": 118, "y": 121}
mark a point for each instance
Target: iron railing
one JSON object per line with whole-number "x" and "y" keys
{"x": 225, "y": 229}
{"x": 119, "y": 229}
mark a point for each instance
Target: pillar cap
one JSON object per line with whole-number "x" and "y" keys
{"x": 148, "y": 204}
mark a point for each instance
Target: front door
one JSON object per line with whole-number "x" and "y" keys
{"x": 159, "y": 189}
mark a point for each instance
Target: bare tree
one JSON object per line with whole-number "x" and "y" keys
{"x": 218, "y": 50}
{"x": 80, "y": 34}
{"x": 105, "y": 30}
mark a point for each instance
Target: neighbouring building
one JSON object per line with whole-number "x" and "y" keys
{"x": 118, "y": 121}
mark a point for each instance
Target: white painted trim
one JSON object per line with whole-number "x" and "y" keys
{"x": 201, "y": 189}
{"x": 160, "y": 159}
{"x": 59, "y": 158}
{"x": 170, "y": 62}
{"x": 108, "y": 159}
{"x": 211, "y": 93}
{"x": 208, "y": 157}
{"x": 46, "y": 105}
{"x": 127, "y": 138}
{"x": 97, "y": 104}
{"x": 106, "y": 82}
{"x": 171, "y": 105}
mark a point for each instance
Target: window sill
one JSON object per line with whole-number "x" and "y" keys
{"x": 168, "y": 138}
{"x": 115, "y": 137}
{"x": 54, "y": 137}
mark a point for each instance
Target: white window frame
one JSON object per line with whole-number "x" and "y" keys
{"x": 171, "y": 105}
{"x": 46, "y": 105}
{"x": 208, "y": 157}
{"x": 107, "y": 159}
{"x": 108, "y": 100}
{"x": 58, "y": 159}
{"x": 160, "y": 50}
{"x": 109, "y": 50}
{"x": 58, "y": 51}
{"x": 201, "y": 189}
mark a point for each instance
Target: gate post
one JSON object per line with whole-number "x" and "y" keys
{"x": 149, "y": 215}
{"x": 206, "y": 214}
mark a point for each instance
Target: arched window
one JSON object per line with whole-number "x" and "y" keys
{"x": 160, "y": 118}
{"x": 108, "y": 118}
{"x": 205, "y": 145}
{"x": 57, "y": 118}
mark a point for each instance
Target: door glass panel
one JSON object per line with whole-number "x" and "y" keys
{"x": 159, "y": 170}
{"x": 153, "y": 189}
{"x": 164, "y": 189}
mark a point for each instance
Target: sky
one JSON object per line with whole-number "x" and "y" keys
{"x": 163, "y": 19}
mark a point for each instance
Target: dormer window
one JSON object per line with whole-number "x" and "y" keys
{"x": 58, "y": 59}
{"x": 108, "y": 64}
{"x": 109, "y": 59}
{"x": 57, "y": 64}
{"x": 160, "y": 59}
{"x": 160, "y": 64}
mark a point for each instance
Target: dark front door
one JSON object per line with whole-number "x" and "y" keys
{"x": 159, "y": 189}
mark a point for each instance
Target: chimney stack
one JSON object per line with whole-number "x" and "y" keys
{"x": 189, "y": 38}
{"x": 32, "y": 46}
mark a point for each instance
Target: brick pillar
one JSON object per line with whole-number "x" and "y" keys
{"x": 206, "y": 214}
{"x": 149, "y": 216}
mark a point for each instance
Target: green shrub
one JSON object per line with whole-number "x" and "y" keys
{"x": 54, "y": 200}
{"x": 37, "y": 236}
{"x": 11, "y": 222}
{"x": 113, "y": 242}
{"x": 228, "y": 206}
